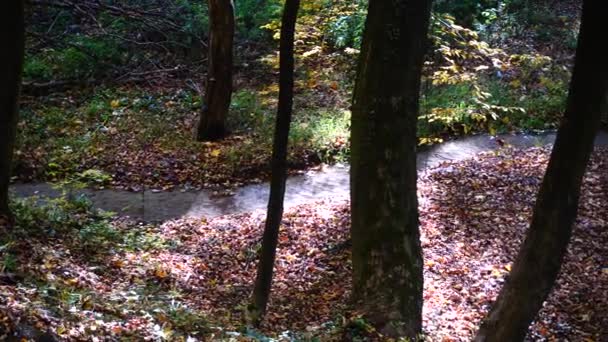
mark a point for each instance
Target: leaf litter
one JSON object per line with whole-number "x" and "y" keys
{"x": 195, "y": 281}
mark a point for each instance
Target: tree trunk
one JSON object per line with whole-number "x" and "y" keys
{"x": 261, "y": 291}
{"x": 604, "y": 115}
{"x": 386, "y": 255}
{"x": 540, "y": 257}
{"x": 212, "y": 123}
{"x": 11, "y": 61}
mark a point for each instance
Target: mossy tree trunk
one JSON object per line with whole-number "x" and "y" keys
{"x": 11, "y": 62}
{"x": 540, "y": 257}
{"x": 386, "y": 255}
{"x": 263, "y": 282}
{"x": 218, "y": 90}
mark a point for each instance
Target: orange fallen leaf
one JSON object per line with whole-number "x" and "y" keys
{"x": 160, "y": 273}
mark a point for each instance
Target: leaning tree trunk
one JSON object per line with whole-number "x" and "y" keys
{"x": 212, "y": 122}
{"x": 540, "y": 258}
{"x": 386, "y": 255}
{"x": 11, "y": 61}
{"x": 261, "y": 291}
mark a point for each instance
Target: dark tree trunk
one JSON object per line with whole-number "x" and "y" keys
{"x": 604, "y": 119}
{"x": 212, "y": 123}
{"x": 387, "y": 257}
{"x": 11, "y": 61}
{"x": 540, "y": 257}
{"x": 263, "y": 282}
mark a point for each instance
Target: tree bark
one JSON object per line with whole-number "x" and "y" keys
{"x": 386, "y": 255}
{"x": 540, "y": 257}
{"x": 263, "y": 282}
{"x": 12, "y": 39}
{"x": 604, "y": 119}
{"x": 212, "y": 122}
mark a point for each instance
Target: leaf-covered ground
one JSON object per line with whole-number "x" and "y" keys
{"x": 113, "y": 279}
{"x": 135, "y": 138}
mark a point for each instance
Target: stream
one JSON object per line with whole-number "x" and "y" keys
{"x": 328, "y": 182}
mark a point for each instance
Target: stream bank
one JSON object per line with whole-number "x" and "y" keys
{"x": 326, "y": 182}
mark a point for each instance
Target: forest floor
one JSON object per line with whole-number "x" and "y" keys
{"x": 86, "y": 275}
{"x": 136, "y": 137}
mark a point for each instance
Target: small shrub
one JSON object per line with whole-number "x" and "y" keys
{"x": 253, "y": 15}
{"x": 94, "y": 176}
{"x": 36, "y": 68}
{"x": 324, "y": 133}
{"x": 246, "y": 112}
{"x": 345, "y": 25}
{"x": 73, "y": 220}
{"x": 467, "y": 12}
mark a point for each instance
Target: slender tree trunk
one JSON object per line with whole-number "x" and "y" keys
{"x": 263, "y": 282}
{"x": 212, "y": 123}
{"x": 11, "y": 61}
{"x": 540, "y": 257}
{"x": 386, "y": 255}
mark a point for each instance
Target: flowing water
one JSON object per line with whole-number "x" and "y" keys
{"x": 328, "y": 182}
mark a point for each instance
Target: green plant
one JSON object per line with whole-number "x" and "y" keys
{"x": 247, "y": 112}
{"x": 37, "y": 68}
{"x": 78, "y": 58}
{"x": 97, "y": 234}
{"x": 145, "y": 238}
{"x": 325, "y": 133}
{"x": 185, "y": 319}
{"x": 9, "y": 260}
{"x": 195, "y": 16}
{"x": 98, "y": 108}
{"x": 345, "y": 25}
{"x": 94, "y": 176}
{"x": 253, "y": 15}
{"x": 467, "y": 12}
{"x": 73, "y": 220}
